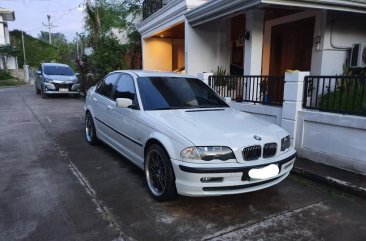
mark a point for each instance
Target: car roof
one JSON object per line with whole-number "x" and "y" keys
{"x": 148, "y": 73}
{"x": 55, "y": 64}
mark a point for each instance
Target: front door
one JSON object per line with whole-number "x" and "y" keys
{"x": 291, "y": 49}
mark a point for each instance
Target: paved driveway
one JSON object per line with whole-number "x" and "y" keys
{"x": 54, "y": 186}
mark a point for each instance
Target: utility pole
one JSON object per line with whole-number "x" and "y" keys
{"x": 25, "y": 66}
{"x": 49, "y": 25}
{"x": 24, "y": 62}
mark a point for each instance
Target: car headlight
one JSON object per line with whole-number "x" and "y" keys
{"x": 47, "y": 80}
{"x": 285, "y": 143}
{"x": 208, "y": 153}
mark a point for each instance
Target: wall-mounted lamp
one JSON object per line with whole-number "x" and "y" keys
{"x": 247, "y": 35}
{"x": 244, "y": 36}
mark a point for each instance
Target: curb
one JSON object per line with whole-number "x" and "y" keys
{"x": 332, "y": 182}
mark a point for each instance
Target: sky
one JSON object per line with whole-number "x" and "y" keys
{"x": 30, "y": 14}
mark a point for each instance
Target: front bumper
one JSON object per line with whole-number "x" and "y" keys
{"x": 233, "y": 177}
{"x": 64, "y": 88}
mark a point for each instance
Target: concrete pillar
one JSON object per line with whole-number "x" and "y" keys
{"x": 292, "y": 101}
{"x": 253, "y": 46}
{"x": 204, "y": 76}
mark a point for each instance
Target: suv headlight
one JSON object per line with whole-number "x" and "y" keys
{"x": 47, "y": 80}
{"x": 285, "y": 143}
{"x": 208, "y": 153}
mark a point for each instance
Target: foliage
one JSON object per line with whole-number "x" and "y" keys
{"x": 40, "y": 51}
{"x": 109, "y": 54}
{"x": 7, "y": 80}
{"x": 5, "y": 75}
{"x": 221, "y": 80}
{"x": 37, "y": 51}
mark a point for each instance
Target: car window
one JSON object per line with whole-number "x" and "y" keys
{"x": 58, "y": 70}
{"x": 105, "y": 87}
{"x": 159, "y": 93}
{"x": 125, "y": 88}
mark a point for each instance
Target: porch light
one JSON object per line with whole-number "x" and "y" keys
{"x": 161, "y": 36}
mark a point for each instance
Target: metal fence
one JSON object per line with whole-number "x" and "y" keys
{"x": 339, "y": 94}
{"x": 88, "y": 81}
{"x": 149, "y": 7}
{"x": 256, "y": 89}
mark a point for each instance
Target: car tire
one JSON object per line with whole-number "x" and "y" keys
{"x": 38, "y": 92}
{"x": 90, "y": 133}
{"x": 43, "y": 94}
{"x": 159, "y": 174}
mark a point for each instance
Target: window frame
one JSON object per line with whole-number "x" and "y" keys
{"x": 110, "y": 97}
{"x": 135, "y": 101}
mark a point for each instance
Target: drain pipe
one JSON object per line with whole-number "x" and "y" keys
{"x": 331, "y": 39}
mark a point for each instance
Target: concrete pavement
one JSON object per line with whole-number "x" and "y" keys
{"x": 54, "y": 186}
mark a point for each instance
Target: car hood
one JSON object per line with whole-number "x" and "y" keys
{"x": 61, "y": 77}
{"x": 213, "y": 127}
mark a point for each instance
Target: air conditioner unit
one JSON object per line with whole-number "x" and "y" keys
{"x": 358, "y": 56}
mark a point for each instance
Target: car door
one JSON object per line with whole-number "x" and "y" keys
{"x": 123, "y": 120}
{"x": 102, "y": 104}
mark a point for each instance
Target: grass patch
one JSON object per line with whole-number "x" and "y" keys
{"x": 12, "y": 82}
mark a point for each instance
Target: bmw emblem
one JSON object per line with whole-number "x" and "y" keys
{"x": 257, "y": 138}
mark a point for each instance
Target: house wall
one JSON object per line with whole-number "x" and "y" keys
{"x": 207, "y": 46}
{"x": 2, "y": 32}
{"x": 348, "y": 28}
{"x": 159, "y": 52}
{"x": 271, "y": 114}
{"x": 332, "y": 139}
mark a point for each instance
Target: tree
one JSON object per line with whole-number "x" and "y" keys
{"x": 109, "y": 54}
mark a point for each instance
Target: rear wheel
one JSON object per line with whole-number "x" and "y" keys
{"x": 159, "y": 174}
{"x": 90, "y": 133}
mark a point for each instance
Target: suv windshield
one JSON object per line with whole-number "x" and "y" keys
{"x": 58, "y": 70}
{"x": 164, "y": 93}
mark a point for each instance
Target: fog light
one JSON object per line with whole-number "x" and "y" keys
{"x": 212, "y": 179}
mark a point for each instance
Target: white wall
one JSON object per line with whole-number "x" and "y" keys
{"x": 333, "y": 139}
{"x": 271, "y": 114}
{"x": 207, "y": 46}
{"x": 157, "y": 54}
{"x": 2, "y": 32}
{"x": 348, "y": 28}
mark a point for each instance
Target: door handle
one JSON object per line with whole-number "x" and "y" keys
{"x": 110, "y": 107}
{"x": 95, "y": 99}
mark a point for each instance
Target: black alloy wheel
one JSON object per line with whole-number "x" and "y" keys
{"x": 159, "y": 174}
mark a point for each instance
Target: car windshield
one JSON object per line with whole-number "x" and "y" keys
{"x": 164, "y": 93}
{"x": 58, "y": 70}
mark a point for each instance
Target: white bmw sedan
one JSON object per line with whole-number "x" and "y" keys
{"x": 184, "y": 136}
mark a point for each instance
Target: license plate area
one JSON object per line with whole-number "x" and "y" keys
{"x": 63, "y": 89}
{"x": 261, "y": 173}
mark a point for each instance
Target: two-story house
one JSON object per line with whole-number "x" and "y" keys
{"x": 5, "y": 16}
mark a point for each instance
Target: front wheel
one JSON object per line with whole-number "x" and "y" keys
{"x": 159, "y": 174}
{"x": 43, "y": 94}
{"x": 90, "y": 133}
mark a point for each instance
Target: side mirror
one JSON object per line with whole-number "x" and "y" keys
{"x": 227, "y": 100}
{"x": 38, "y": 72}
{"x": 123, "y": 102}
{"x": 77, "y": 74}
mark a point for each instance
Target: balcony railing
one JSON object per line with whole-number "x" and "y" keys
{"x": 149, "y": 7}
{"x": 339, "y": 94}
{"x": 255, "y": 89}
